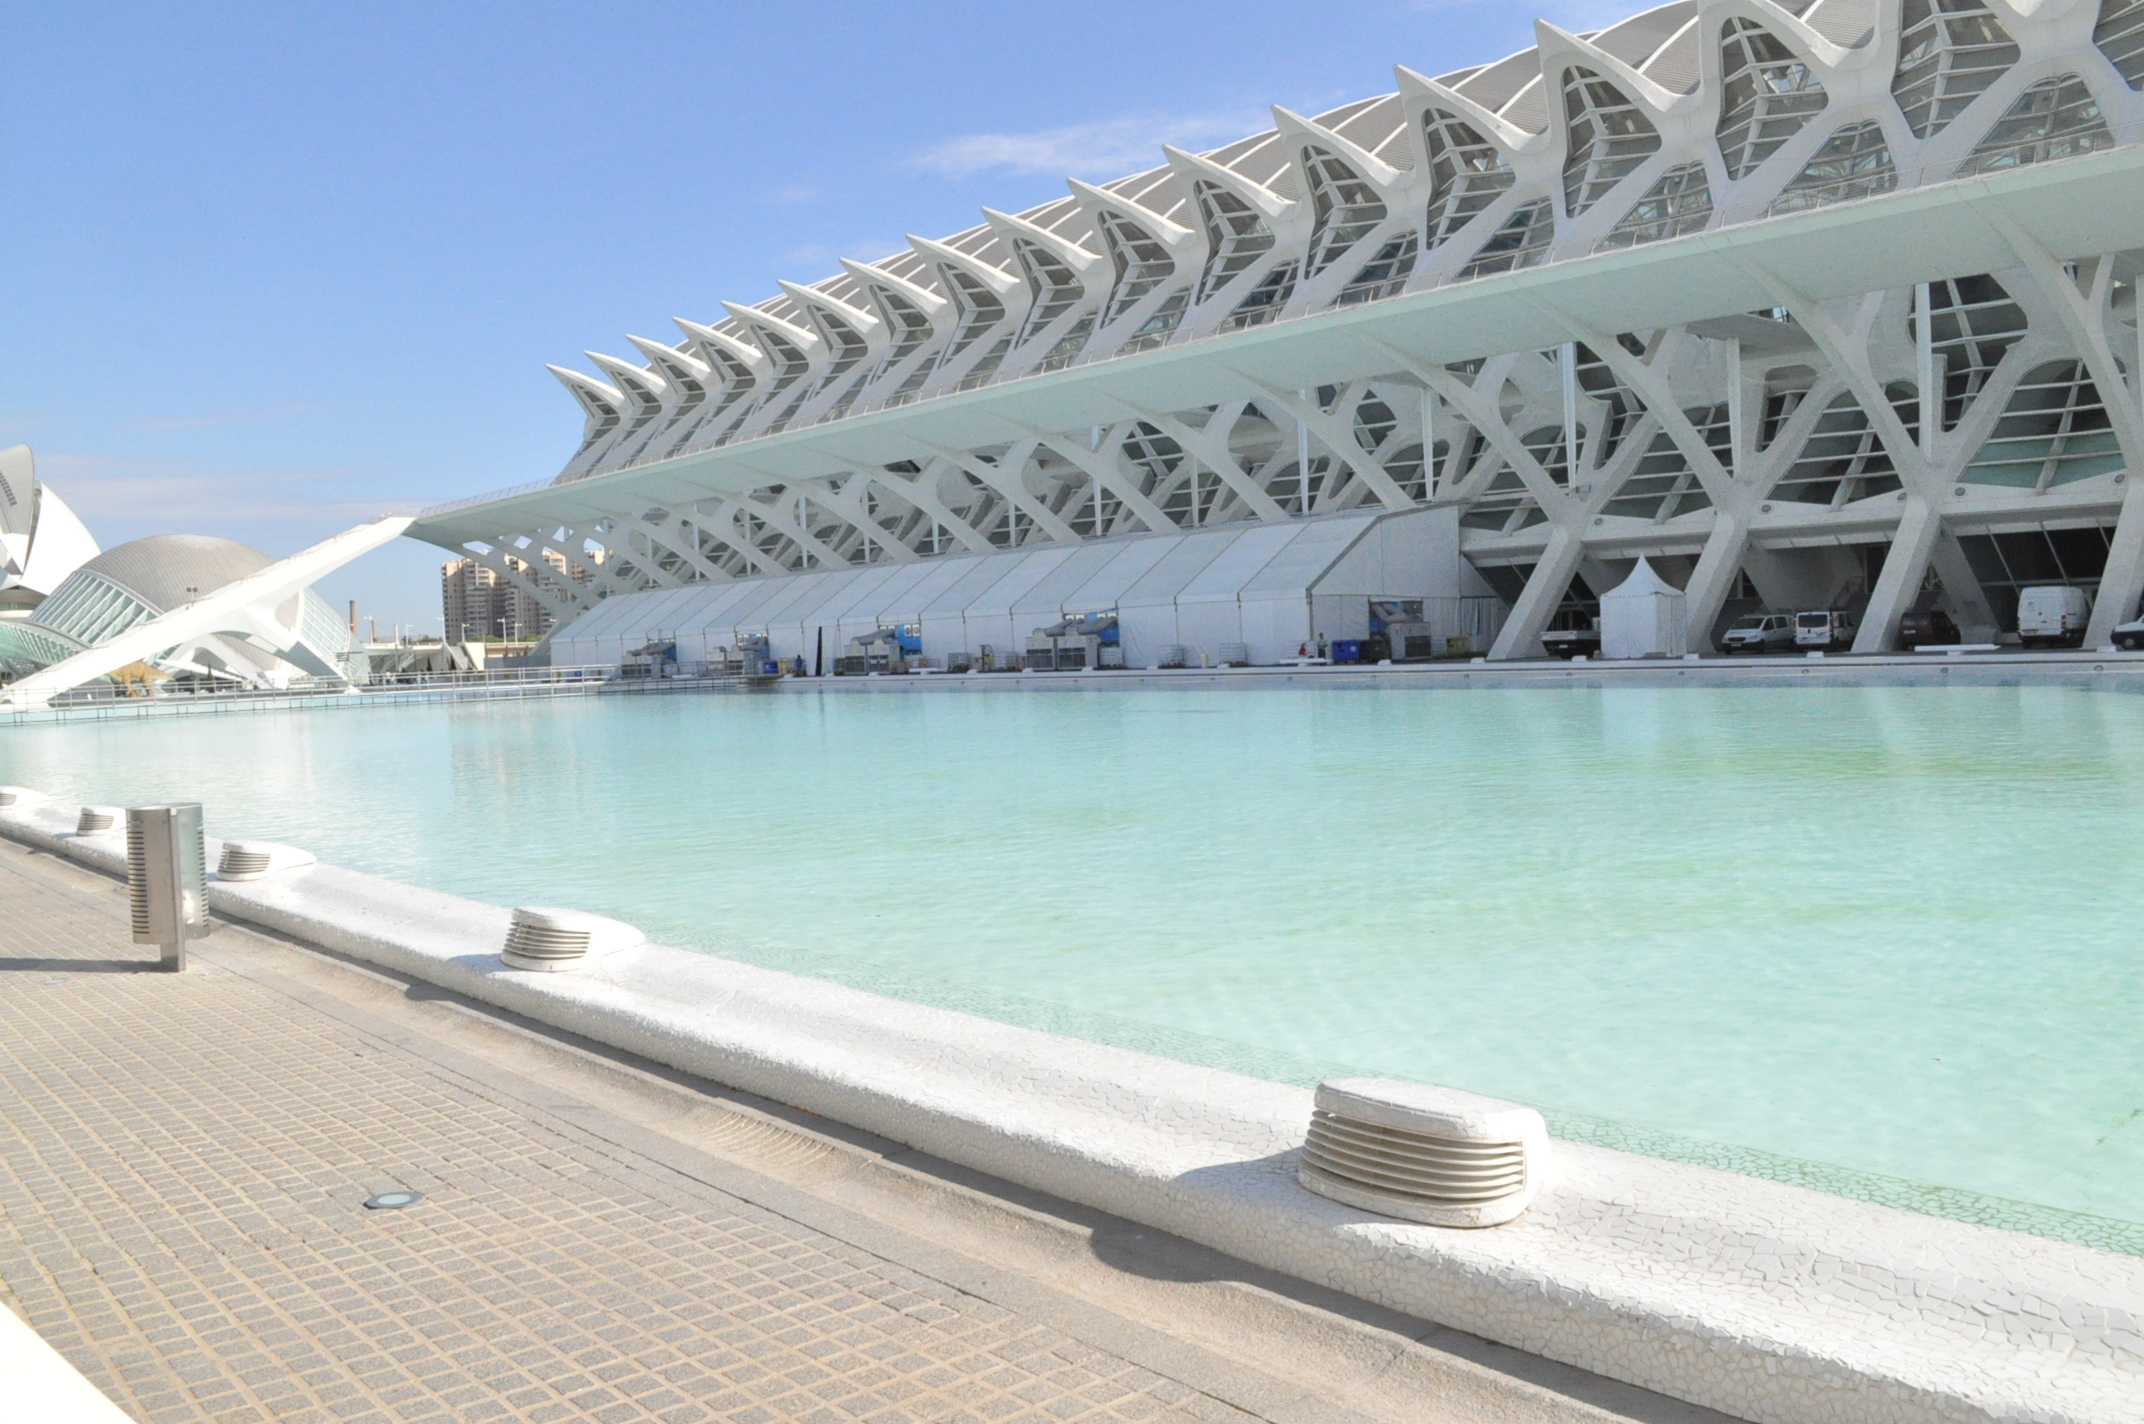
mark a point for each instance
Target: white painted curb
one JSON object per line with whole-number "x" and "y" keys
{"x": 38, "y": 1386}
{"x": 1765, "y": 1301}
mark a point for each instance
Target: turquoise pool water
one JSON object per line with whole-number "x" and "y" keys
{"x": 1880, "y": 941}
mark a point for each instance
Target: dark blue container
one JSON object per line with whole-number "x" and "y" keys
{"x": 1347, "y": 650}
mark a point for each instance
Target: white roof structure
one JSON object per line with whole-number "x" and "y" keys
{"x": 1256, "y": 585}
{"x": 41, "y": 541}
{"x": 1800, "y": 299}
{"x": 187, "y": 602}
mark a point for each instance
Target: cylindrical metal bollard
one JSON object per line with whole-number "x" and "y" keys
{"x": 167, "y": 878}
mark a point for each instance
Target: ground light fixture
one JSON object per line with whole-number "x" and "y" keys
{"x": 393, "y": 1201}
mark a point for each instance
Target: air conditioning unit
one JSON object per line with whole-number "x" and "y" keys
{"x": 550, "y": 941}
{"x": 255, "y": 860}
{"x": 1433, "y": 1155}
{"x": 98, "y": 820}
{"x": 1412, "y": 642}
{"x": 1076, "y": 652}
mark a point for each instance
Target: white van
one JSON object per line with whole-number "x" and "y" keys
{"x": 2052, "y": 616}
{"x": 1759, "y": 633}
{"x": 1824, "y": 628}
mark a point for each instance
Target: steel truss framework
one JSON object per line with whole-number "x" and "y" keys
{"x": 1740, "y": 247}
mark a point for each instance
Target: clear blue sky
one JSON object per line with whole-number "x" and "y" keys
{"x": 268, "y": 269}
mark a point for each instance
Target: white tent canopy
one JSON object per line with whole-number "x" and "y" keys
{"x": 1645, "y": 616}
{"x": 1271, "y": 587}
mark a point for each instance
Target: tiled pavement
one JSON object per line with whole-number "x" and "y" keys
{"x": 184, "y": 1161}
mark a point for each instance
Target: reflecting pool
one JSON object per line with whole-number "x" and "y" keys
{"x": 1879, "y": 941}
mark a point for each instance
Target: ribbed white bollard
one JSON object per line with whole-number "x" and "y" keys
{"x": 1434, "y": 1155}
{"x": 255, "y": 860}
{"x": 549, "y": 940}
{"x": 98, "y": 820}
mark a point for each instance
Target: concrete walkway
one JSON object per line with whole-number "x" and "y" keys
{"x": 184, "y": 1162}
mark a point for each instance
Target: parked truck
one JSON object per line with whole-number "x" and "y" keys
{"x": 2052, "y": 616}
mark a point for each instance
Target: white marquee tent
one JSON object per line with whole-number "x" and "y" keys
{"x": 1645, "y": 616}
{"x": 1269, "y": 587}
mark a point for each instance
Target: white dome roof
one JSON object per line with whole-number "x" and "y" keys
{"x": 166, "y": 570}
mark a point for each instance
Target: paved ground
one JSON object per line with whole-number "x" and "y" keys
{"x": 184, "y": 1161}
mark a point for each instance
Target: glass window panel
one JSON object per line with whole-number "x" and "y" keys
{"x": 1680, "y": 202}
{"x": 2054, "y": 119}
{"x": 1385, "y": 274}
{"x": 2054, "y": 430}
{"x": 1467, "y": 174}
{"x": 1236, "y": 236}
{"x": 1265, "y": 300}
{"x": 2120, "y": 37}
{"x": 1769, "y": 93}
{"x": 1949, "y": 52}
{"x": 1853, "y": 163}
{"x": 1141, "y": 262}
{"x": 1344, "y": 208}
{"x": 1607, "y": 138}
{"x": 1973, "y": 324}
{"x": 1521, "y": 241}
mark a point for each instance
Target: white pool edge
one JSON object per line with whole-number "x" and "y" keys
{"x": 42, "y": 1387}
{"x": 1762, "y": 1300}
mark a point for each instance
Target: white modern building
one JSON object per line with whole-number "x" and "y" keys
{"x": 185, "y": 605}
{"x": 1809, "y": 303}
{"x": 41, "y": 540}
{"x": 188, "y": 605}
{"x": 129, "y": 586}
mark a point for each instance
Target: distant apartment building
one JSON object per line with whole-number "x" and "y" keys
{"x": 481, "y": 605}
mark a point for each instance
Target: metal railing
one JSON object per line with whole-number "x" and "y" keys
{"x": 2122, "y": 135}
{"x": 489, "y": 677}
{"x": 304, "y": 687}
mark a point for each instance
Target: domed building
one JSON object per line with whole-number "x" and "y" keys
{"x": 123, "y": 588}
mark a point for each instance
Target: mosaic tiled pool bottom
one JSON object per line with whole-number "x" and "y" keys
{"x": 1882, "y": 942}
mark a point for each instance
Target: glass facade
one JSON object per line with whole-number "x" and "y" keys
{"x": 2053, "y": 430}
{"x": 1853, "y": 163}
{"x": 1973, "y": 323}
{"x": 1521, "y": 241}
{"x": 1769, "y": 95}
{"x": 1949, "y": 52}
{"x": 1467, "y": 174}
{"x": 1680, "y": 202}
{"x": 1607, "y": 137}
{"x": 1344, "y": 208}
{"x": 1236, "y": 236}
{"x": 2056, "y": 118}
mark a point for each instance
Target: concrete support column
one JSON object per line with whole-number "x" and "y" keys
{"x": 1968, "y": 601}
{"x": 1538, "y": 601}
{"x": 2122, "y": 583}
{"x": 1905, "y": 568}
{"x": 1714, "y": 577}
